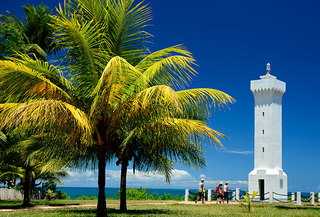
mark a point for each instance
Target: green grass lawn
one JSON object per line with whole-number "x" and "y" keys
{"x": 138, "y": 208}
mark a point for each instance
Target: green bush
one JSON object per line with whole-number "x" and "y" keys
{"x": 85, "y": 197}
{"x": 62, "y": 195}
{"x": 136, "y": 194}
{"x": 92, "y": 197}
{"x": 142, "y": 194}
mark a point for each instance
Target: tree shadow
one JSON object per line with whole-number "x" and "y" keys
{"x": 137, "y": 212}
{"x": 298, "y": 207}
{"x": 15, "y": 206}
{"x": 18, "y": 205}
{"x": 116, "y": 211}
{"x": 59, "y": 204}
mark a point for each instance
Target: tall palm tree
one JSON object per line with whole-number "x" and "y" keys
{"x": 112, "y": 80}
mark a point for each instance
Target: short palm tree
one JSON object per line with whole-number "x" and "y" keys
{"x": 33, "y": 35}
{"x": 24, "y": 159}
{"x": 106, "y": 79}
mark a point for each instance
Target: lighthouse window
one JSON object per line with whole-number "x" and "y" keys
{"x": 262, "y": 149}
{"x": 262, "y": 131}
{"x": 281, "y": 183}
{"x": 262, "y": 114}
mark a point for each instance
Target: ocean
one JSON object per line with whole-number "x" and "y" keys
{"x": 75, "y": 192}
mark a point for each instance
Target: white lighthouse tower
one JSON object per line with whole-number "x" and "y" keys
{"x": 268, "y": 175}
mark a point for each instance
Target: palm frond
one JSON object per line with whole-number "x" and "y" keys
{"x": 125, "y": 28}
{"x": 92, "y": 10}
{"x": 188, "y": 131}
{"x": 175, "y": 71}
{"x": 160, "y": 98}
{"x": 113, "y": 87}
{"x": 11, "y": 173}
{"x": 45, "y": 115}
{"x": 51, "y": 72}
{"x": 3, "y": 138}
{"x": 22, "y": 83}
{"x": 83, "y": 41}
{"x": 156, "y": 56}
{"x": 34, "y": 48}
{"x": 198, "y": 102}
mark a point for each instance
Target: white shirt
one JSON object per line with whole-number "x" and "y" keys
{"x": 225, "y": 188}
{"x": 200, "y": 186}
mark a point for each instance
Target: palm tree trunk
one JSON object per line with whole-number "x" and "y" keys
{"x": 27, "y": 187}
{"x": 101, "y": 208}
{"x": 123, "y": 186}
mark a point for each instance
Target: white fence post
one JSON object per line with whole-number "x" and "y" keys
{"x": 293, "y": 197}
{"x": 237, "y": 193}
{"x": 186, "y": 195}
{"x": 318, "y": 197}
{"x": 233, "y": 195}
{"x": 209, "y": 194}
{"x": 298, "y": 198}
{"x": 270, "y": 197}
{"x": 312, "y": 198}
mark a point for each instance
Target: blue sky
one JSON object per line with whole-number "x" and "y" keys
{"x": 232, "y": 41}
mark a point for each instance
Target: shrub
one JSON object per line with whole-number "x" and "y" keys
{"x": 62, "y": 195}
{"x": 92, "y": 197}
{"x": 142, "y": 194}
{"x": 136, "y": 194}
{"x": 85, "y": 197}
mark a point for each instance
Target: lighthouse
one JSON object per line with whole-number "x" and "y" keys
{"x": 267, "y": 175}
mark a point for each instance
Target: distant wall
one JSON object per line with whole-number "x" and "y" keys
{"x": 13, "y": 194}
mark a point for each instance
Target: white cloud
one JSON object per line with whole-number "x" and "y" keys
{"x": 152, "y": 179}
{"x": 202, "y": 176}
{"x": 179, "y": 179}
{"x": 238, "y": 152}
{"x": 80, "y": 178}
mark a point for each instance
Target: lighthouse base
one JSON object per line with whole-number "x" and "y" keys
{"x": 265, "y": 181}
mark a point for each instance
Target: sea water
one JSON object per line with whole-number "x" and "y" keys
{"x": 75, "y": 192}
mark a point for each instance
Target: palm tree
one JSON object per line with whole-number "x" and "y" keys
{"x": 24, "y": 159}
{"x": 38, "y": 29}
{"x": 34, "y": 35}
{"x": 111, "y": 81}
{"x": 180, "y": 141}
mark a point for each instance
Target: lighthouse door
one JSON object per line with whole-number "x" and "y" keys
{"x": 261, "y": 189}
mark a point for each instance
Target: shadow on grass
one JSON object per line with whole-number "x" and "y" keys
{"x": 116, "y": 211}
{"x": 298, "y": 207}
{"x": 18, "y": 204}
{"x": 59, "y": 204}
{"x": 15, "y": 206}
{"x": 137, "y": 212}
